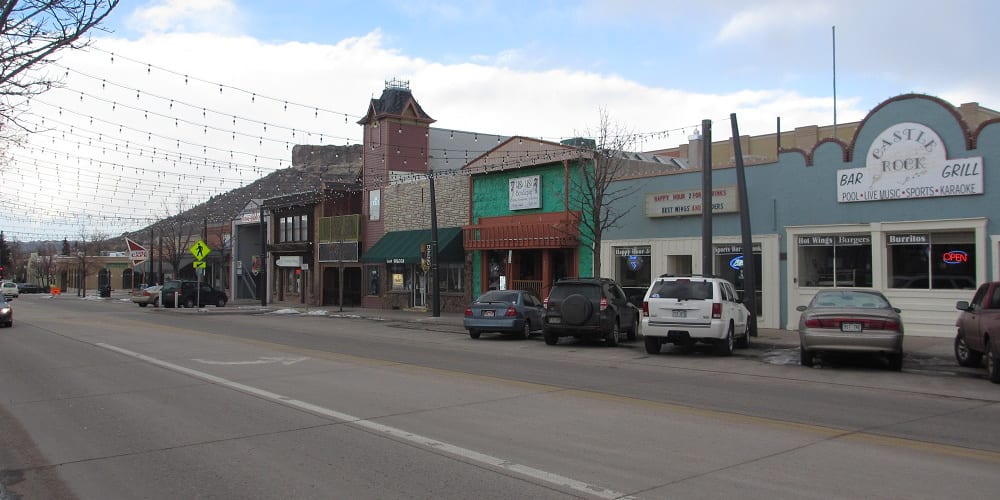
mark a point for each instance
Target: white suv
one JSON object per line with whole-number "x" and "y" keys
{"x": 10, "y": 289}
{"x": 684, "y": 310}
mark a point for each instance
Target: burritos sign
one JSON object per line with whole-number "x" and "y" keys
{"x": 908, "y": 160}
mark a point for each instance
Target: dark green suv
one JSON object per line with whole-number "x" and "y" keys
{"x": 595, "y": 308}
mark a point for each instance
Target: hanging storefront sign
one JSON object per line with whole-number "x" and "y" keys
{"x": 688, "y": 202}
{"x": 908, "y": 160}
{"x": 525, "y": 192}
{"x": 630, "y": 251}
{"x": 289, "y": 261}
{"x": 828, "y": 240}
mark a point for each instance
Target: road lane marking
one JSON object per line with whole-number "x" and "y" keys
{"x": 464, "y": 453}
{"x": 263, "y": 360}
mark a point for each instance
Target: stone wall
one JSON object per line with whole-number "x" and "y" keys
{"x": 407, "y": 206}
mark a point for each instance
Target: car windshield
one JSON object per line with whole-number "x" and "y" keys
{"x": 853, "y": 299}
{"x": 498, "y": 296}
{"x": 682, "y": 290}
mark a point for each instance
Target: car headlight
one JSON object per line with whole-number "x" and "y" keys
{"x": 4, "y": 310}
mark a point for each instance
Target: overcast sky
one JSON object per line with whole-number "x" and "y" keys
{"x": 183, "y": 99}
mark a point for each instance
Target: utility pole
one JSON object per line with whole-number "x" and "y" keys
{"x": 706, "y": 197}
{"x": 749, "y": 267}
{"x": 262, "y": 279}
{"x": 436, "y": 295}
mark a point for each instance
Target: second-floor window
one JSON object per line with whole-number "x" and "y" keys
{"x": 293, "y": 228}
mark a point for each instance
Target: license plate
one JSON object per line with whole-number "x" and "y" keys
{"x": 850, "y": 327}
{"x": 555, "y": 320}
{"x": 680, "y": 313}
{"x": 488, "y": 313}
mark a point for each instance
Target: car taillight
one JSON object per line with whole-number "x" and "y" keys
{"x": 604, "y": 304}
{"x": 468, "y": 312}
{"x": 716, "y": 310}
{"x": 645, "y": 308}
{"x": 511, "y": 312}
{"x": 866, "y": 324}
{"x": 545, "y": 303}
{"x": 813, "y": 323}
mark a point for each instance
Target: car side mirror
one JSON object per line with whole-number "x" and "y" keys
{"x": 898, "y": 310}
{"x": 800, "y": 308}
{"x": 962, "y": 305}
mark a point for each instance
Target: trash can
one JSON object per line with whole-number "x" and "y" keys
{"x": 104, "y": 291}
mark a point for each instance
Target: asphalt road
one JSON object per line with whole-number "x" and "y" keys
{"x": 102, "y": 399}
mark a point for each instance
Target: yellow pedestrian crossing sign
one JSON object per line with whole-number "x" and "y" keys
{"x": 198, "y": 264}
{"x": 200, "y": 250}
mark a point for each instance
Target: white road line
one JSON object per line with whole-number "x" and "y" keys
{"x": 465, "y": 453}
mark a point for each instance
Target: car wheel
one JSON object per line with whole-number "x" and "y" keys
{"x": 612, "y": 338}
{"x": 896, "y": 361}
{"x": 633, "y": 332}
{"x": 744, "y": 341}
{"x": 474, "y": 334}
{"x": 550, "y": 338}
{"x": 143, "y": 304}
{"x": 189, "y": 303}
{"x": 805, "y": 357}
{"x": 652, "y": 345}
{"x": 221, "y": 302}
{"x": 526, "y": 331}
{"x": 965, "y": 355}
{"x": 156, "y": 302}
{"x": 992, "y": 363}
{"x": 725, "y": 346}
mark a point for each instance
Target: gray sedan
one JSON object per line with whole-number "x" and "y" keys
{"x": 504, "y": 311}
{"x": 850, "y": 320}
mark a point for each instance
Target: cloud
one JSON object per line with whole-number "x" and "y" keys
{"x": 762, "y": 19}
{"x": 186, "y": 16}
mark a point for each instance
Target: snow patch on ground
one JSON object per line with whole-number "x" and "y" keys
{"x": 316, "y": 312}
{"x": 285, "y": 311}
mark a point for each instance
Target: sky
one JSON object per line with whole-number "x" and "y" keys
{"x": 179, "y": 100}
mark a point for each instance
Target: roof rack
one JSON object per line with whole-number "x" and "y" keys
{"x": 671, "y": 275}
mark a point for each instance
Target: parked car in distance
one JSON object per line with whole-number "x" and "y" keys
{"x": 6, "y": 312}
{"x": 589, "y": 308}
{"x": 191, "y": 294}
{"x": 504, "y": 311}
{"x": 146, "y": 296}
{"x": 31, "y": 288}
{"x": 684, "y": 310}
{"x": 10, "y": 289}
{"x": 979, "y": 330}
{"x": 850, "y": 320}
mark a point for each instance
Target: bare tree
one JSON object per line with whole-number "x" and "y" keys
{"x": 44, "y": 265}
{"x": 31, "y": 32}
{"x": 603, "y": 200}
{"x": 89, "y": 245}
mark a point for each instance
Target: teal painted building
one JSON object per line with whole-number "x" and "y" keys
{"x": 907, "y": 206}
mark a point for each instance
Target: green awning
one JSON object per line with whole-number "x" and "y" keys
{"x": 403, "y": 247}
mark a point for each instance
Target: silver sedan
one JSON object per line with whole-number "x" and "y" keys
{"x": 851, "y": 320}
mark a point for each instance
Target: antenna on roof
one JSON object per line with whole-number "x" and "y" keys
{"x": 397, "y": 84}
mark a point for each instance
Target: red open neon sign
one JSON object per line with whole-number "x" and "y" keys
{"x": 955, "y": 257}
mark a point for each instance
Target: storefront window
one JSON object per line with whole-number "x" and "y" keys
{"x": 373, "y": 279}
{"x": 632, "y": 266}
{"x": 400, "y": 277}
{"x": 841, "y": 260}
{"x": 729, "y": 264}
{"x": 451, "y": 277}
{"x": 944, "y": 261}
{"x": 496, "y": 268}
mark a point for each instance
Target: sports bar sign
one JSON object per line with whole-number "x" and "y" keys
{"x": 688, "y": 202}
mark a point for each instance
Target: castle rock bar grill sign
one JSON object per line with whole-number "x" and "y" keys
{"x": 908, "y": 160}
{"x": 688, "y": 202}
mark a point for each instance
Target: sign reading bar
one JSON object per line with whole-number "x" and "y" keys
{"x": 908, "y": 161}
{"x": 688, "y": 202}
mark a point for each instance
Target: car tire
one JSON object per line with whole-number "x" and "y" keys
{"x": 724, "y": 347}
{"x": 550, "y": 338}
{"x": 964, "y": 354}
{"x": 744, "y": 341}
{"x": 896, "y": 361}
{"x": 614, "y": 335}
{"x": 156, "y": 302}
{"x": 143, "y": 304}
{"x": 806, "y": 358}
{"x": 633, "y": 332}
{"x": 474, "y": 334}
{"x": 992, "y": 363}
{"x": 576, "y": 309}
{"x": 526, "y": 330}
{"x": 188, "y": 302}
{"x": 221, "y": 302}
{"x": 653, "y": 345}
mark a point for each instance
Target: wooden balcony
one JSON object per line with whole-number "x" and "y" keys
{"x": 563, "y": 234}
